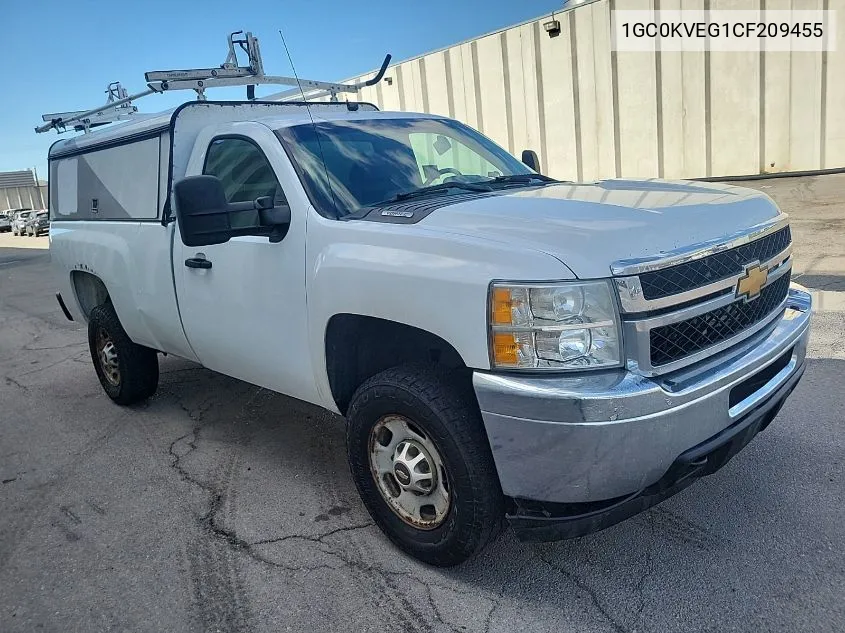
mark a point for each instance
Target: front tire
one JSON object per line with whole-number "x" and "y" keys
{"x": 422, "y": 464}
{"x": 128, "y": 372}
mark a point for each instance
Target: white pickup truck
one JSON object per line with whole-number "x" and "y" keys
{"x": 501, "y": 344}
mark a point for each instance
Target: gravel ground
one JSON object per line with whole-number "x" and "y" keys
{"x": 219, "y": 506}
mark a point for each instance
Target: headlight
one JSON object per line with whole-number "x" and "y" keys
{"x": 570, "y": 325}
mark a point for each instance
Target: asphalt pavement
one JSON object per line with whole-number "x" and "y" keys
{"x": 220, "y": 506}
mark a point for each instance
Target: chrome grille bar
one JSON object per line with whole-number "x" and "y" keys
{"x": 637, "y": 332}
{"x": 632, "y": 300}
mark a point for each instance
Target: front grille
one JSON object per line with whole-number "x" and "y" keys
{"x": 700, "y": 272}
{"x": 676, "y": 341}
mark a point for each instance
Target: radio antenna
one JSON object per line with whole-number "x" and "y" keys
{"x": 310, "y": 116}
{"x": 295, "y": 76}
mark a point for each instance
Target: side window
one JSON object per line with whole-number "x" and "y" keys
{"x": 243, "y": 169}
{"x": 442, "y": 152}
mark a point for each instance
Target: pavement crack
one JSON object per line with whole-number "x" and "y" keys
{"x": 433, "y": 605}
{"x": 587, "y": 589}
{"x": 209, "y": 522}
{"x": 500, "y": 594}
{"x": 70, "y": 514}
{"x": 30, "y": 348}
{"x": 48, "y": 366}
{"x": 650, "y": 568}
{"x": 12, "y": 381}
{"x": 315, "y": 539}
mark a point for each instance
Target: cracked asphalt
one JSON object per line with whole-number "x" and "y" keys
{"x": 220, "y": 506}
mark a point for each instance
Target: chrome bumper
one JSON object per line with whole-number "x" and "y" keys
{"x": 604, "y": 435}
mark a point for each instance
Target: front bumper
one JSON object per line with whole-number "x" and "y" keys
{"x": 587, "y": 451}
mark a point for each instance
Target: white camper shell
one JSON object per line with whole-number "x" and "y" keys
{"x": 125, "y": 172}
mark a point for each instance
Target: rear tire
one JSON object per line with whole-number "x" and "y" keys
{"x": 437, "y": 413}
{"x": 127, "y": 371}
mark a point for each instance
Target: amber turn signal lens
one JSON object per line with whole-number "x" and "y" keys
{"x": 502, "y": 306}
{"x": 505, "y": 349}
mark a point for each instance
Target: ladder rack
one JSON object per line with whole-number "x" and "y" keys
{"x": 119, "y": 103}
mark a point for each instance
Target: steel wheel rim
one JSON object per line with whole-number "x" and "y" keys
{"x": 107, "y": 356}
{"x": 409, "y": 472}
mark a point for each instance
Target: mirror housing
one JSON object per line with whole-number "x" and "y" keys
{"x": 205, "y": 217}
{"x": 202, "y": 211}
{"x": 529, "y": 158}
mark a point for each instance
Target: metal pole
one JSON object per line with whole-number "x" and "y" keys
{"x": 38, "y": 188}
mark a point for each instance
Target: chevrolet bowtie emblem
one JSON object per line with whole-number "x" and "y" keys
{"x": 749, "y": 287}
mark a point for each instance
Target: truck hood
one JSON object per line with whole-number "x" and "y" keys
{"x": 590, "y": 226}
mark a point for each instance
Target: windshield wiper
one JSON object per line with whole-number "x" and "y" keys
{"x": 520, "y": 179}
{"x": 424, "y": 191}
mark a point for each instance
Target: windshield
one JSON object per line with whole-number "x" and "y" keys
{"x": 357, "y": 164}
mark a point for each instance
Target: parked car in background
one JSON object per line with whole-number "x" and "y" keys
{"x": 5, "y": 221}
{"x": 38, "y": 223}
{"x": 11, "y": 214}
{"x": 19, "y": 221}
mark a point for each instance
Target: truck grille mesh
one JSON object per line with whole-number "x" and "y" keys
{"x": 700, "y": 272}
{"x": 676, "y": 341}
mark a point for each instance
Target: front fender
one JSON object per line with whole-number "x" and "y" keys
{"x": 409, "y": 274}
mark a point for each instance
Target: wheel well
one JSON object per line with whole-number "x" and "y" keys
{"x": 89, "y": 289}
{"x": 358, "y": 347}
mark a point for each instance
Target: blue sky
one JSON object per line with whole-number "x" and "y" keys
{"x": 59, "y": 56}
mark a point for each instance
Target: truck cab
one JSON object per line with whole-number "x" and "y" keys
{"x": 501, "y": 344}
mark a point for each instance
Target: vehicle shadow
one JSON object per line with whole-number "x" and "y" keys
{"x": 744, "y": 548}
{"x": 827, "y": 282}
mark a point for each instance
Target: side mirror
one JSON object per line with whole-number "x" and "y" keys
{"x": 202, "y": 211}
{"x": 206, "y": 218}
{"x": 529, "y": 157}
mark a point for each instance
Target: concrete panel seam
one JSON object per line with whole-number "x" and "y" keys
{"x": 424, "y": 85}
{"x": 658, "y": 101}
{"x": 576, "y": 96}
{"x": 400, "y": 87}
{"x": 380, "y": 96}
{"x": 450, "y": 94}
{"x": 614, "y": 89}
{"x": 762, "y": 114}
{"x": 476, "y": 80}
{"x": 708, "y": 132}
{"x": 541, "y": 98}
{"x": 823, "y": 111}
{"x": 506, "y": 74}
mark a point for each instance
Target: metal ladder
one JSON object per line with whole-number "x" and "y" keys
{"x": 119, "y": 106}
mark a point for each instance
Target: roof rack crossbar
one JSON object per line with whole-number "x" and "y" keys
{"x": 85, "y": 119}
{"x": 325, "y": 90}
{"x": 199, "y": 80}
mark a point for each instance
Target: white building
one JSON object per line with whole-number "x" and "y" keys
{"x": 18, "y": 189}
{"x": 591, "y": 112}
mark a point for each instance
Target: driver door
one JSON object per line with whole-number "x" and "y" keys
{"x": 244, "y": 312}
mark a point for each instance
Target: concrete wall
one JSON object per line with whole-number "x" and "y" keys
{"x": 590, "y": 112}
{"x": 19, "y": 197}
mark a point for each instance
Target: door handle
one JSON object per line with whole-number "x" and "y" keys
{"x": 197, "y": 262}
